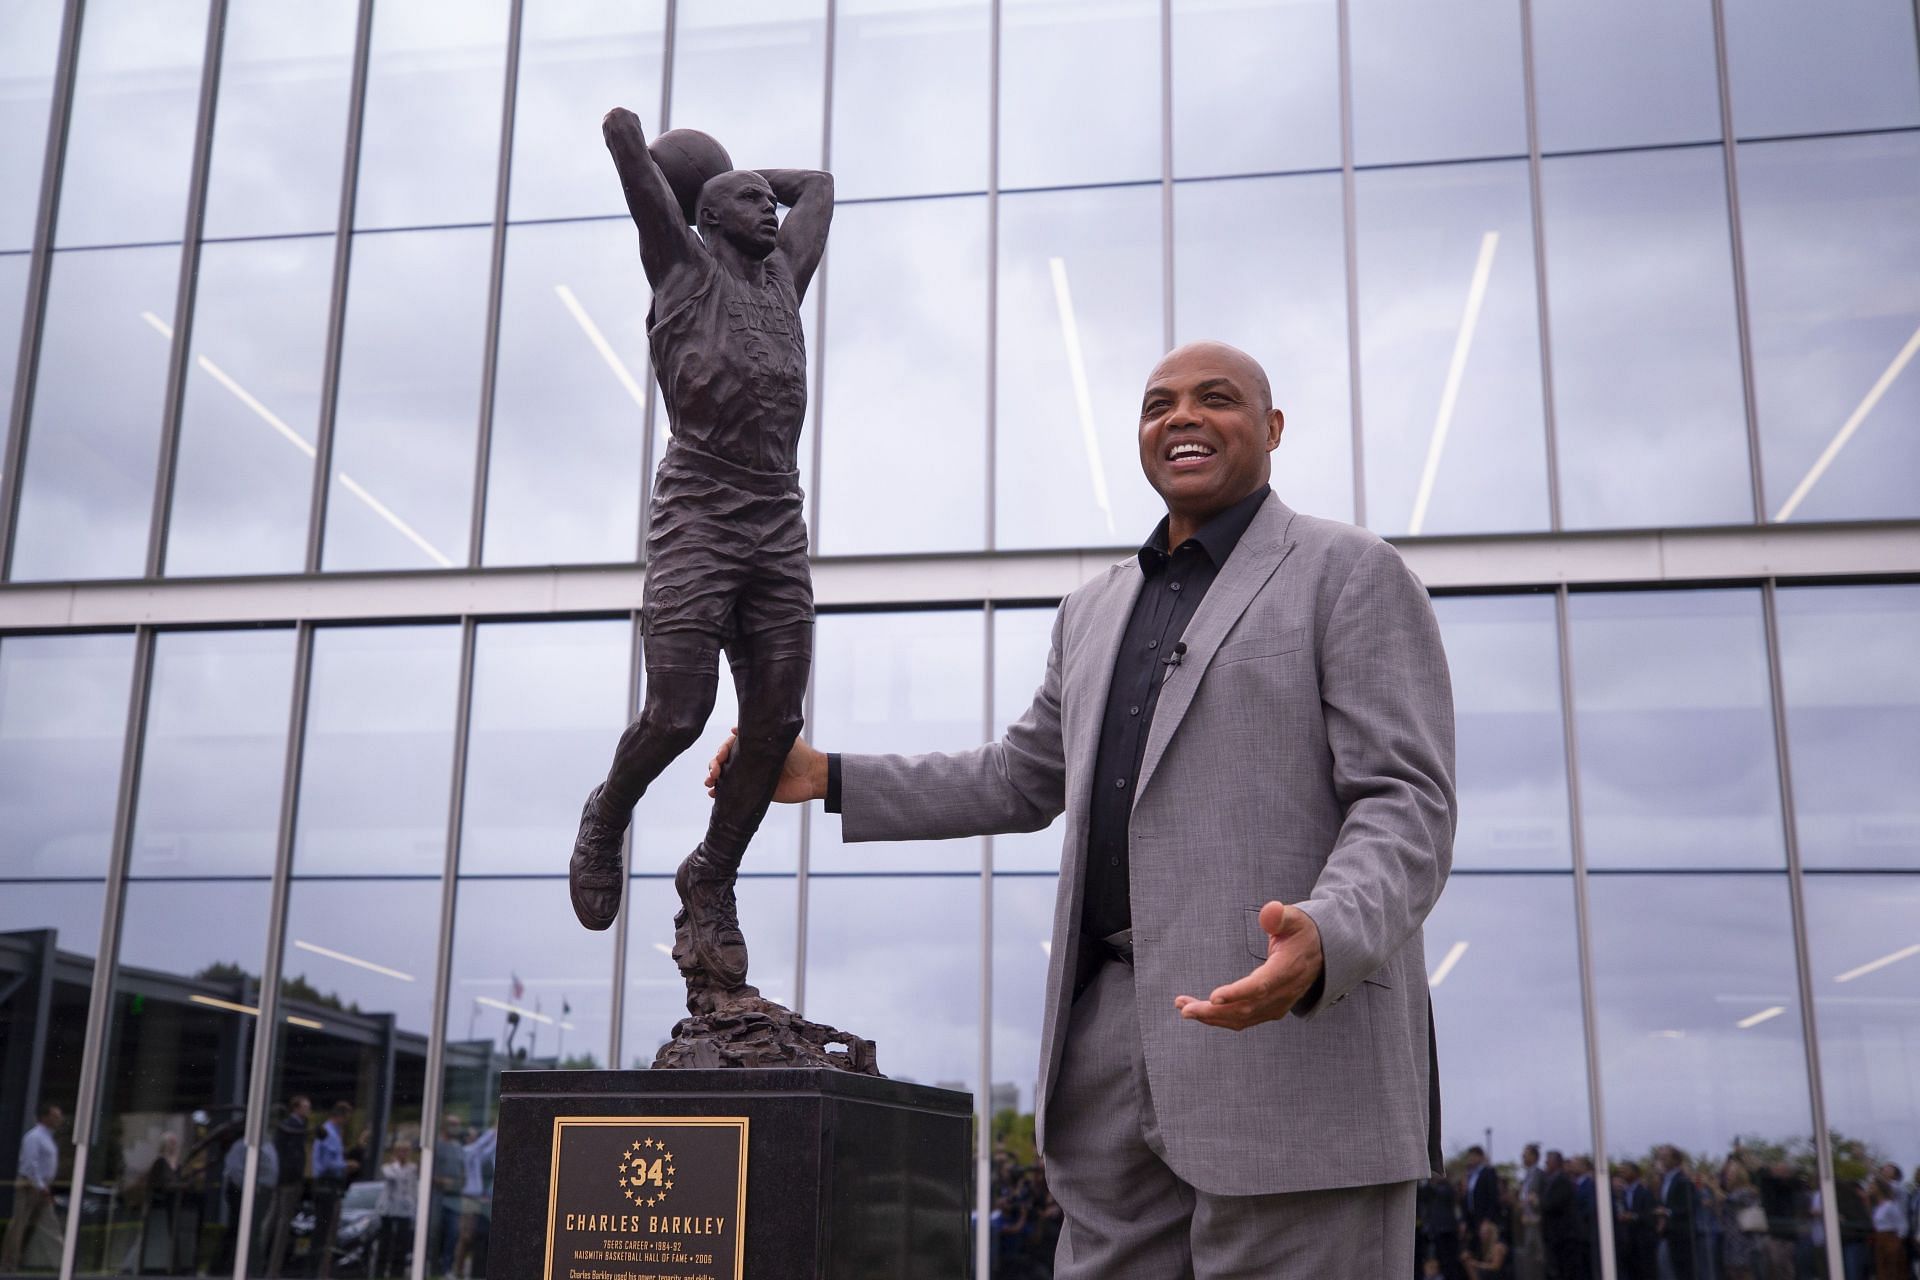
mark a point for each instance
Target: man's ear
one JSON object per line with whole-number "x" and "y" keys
{"x": 1276, "y": 423}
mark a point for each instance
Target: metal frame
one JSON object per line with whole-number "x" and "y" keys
{"x": 39, "y": 271}
{"x": 1737, "y": 244}
{"x": 991, "y": 403}
{"x": 617, "y": 1008}
{"x": 983, "y": 1092}
{"x": 1549, "y": 420}
{"x": 186, "y": 294}
{"x": 1350, "y": 219}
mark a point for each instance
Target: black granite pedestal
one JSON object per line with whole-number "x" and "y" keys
{"x": 846, "y": 1176}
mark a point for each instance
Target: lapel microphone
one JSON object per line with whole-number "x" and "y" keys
{"x": 1174, "y": 661}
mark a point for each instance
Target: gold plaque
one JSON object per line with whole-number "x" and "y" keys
{"x": 647, "y": 1198}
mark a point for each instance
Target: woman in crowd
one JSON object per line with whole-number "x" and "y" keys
{"x": 1743, "y": 1223}
{"x": 1489, "y": 1261}
{"x": 400, "y": 1183}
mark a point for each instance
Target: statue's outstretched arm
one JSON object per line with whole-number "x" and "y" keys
{"x": 803, "y": 234}
{"x": 668, "y": 247}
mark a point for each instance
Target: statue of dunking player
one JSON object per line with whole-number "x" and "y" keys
{"x": 727, "y": 542}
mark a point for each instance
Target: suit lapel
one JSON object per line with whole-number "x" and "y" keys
{"x": 1261, "y": 550}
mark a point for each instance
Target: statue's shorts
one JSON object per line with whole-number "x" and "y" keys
{"x": 726, "y": 548}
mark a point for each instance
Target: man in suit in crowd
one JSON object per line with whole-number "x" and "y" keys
{"x": 1529, "y": 1253}
{"x": 1586, "y": 1206}
{"x": 1249, "y": 727}
{"x": 1636, "y": 1240}
{"x": 1676, "y": 1212}
{"x": 1440, "y": 1226}
{"x": 1483, "y": 1193}
{"x": 1560, "y": 1222}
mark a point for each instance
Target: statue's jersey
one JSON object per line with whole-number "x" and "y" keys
{"x": 732, "y": 364}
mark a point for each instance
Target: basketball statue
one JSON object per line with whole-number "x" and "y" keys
{"x": 726, "y": 560}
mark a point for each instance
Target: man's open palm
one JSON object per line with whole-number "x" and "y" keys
{"x": 1294, "y": 961}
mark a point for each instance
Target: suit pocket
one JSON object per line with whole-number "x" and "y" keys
{"x": 1270, "y": 644}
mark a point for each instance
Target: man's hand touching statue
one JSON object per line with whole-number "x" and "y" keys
{"x": 1294, "y": 963}
{"x": 802, "y": 778}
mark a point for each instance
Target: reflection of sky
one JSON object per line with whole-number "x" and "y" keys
{"x": 1259, "y": 264}
{"x": 905, "y": 280}
{"x": 87, "y": 492}
{"x": 1436, "y": 80}
{"x": 29, "y": 45}
{"x": 1079, "y": 92}
{"x": 1627, "y": 73}
{"x": 429, "y": 147}
{"x": 549, "y": 701}
{"x": 409, "y": 398}
{"x": 390, "y": 923}
{"x": 909, "y": 97}
{"x": 63, "y": 717}
{"x": 1799, "y": 68}
{"x": 1853, "y": 722}
{"x": 242, "y": 487}
{"x": 1020, "y": 641}
{"x": 215, "y": 754}
{"x": 752, "y": 74}
{"x": 1022, "y": 936}
{"x": 896, "y": 682}
{"x": 72, "y": 911}
{"x": 576, "y": 61}
{"x": 1678, "y": 962}
{"x": 1507, "y": 1015}
{"x": 1255, "y": 86}
{"x": 525, "y": 929}
{"x": 897, "y": 961}
{"x": 13, "y": 294}
{"x": 166, "y": 927}
{"x": 1870, "y": 1024}
{"x": 1646, "y": 356}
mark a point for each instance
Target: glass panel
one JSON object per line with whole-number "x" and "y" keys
{"x": 1261, "y": 264}
{"x": 1080, "y": 330}
{"x": 1512, "y": 760}
{"x": 778, "y": 47}
{"x": 657, "y": 994}
{"x": 174, "y": 1081}
{"x": 1505, "y": 976}
{"x": 1646, "y": 355}
{"x": 1625, "y": 74}
{"x": 243, "y": 482}
{"x": 379, "y": 755}
{"x": 569, "y": 409}
{"x": 903, "y": 454}
{"x": 1832, "y": 234}
{"x": 1863, "y": 941}
{"x": 214, "y": 755}
{"x": 1026, "y": 1221}
{"x": 1436, "y": 80}
{"x": 577, "y": 59}
{"x": 1450, "y": 351}
{"x": 430, "y": 146}
{"x": 1797, "y": 68}
{"x": 531, "y": 990}
{"x": 906, "y": 682}
{"x": 357, "y": 995}
{"x": 909, "y": 98}
{"x": 908, "y": 979}
{"x": 1079, "y": 92}
{"x": 49, "y": 934}
{"x": 378, "y": 759}
{"x": 63, "y": 720}
{"x": 280, "y": 130}
{"x": 672, "y": 818}
{"x": 549, "y": 699}
{"x": 1257, "y": 86}
{"x": 29, "y": 47}
{"x": 87, "y": 487}
{"x": 1673, "y": 716}
{"x": 13, "y": 303}
{"x": 409, "y": 401}
{"x": 1698, "y": 1019}
{"x": 1021, "y": 638}
{"x": 1853, "y": 723}
{"x": 136, "y": 96}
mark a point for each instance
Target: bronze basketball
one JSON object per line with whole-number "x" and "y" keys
{"x": 689, "y": 158}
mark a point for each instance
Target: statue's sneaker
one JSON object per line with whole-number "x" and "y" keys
{"x": 707, "y": 935}
{"x": 595, "y": 877}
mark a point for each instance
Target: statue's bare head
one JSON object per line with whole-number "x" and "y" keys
{"x": 739, "y": 207}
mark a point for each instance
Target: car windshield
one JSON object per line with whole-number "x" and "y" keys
{"x": 363, "y": 1195}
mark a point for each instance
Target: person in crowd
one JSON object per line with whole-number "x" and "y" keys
{"x": 332, "y": 1171}
{"x": 1490, "y": 1259}
{"x": 476, "y": 1205}
{"x": 156, "y": 1252}
{"x": 1888, "y": 1216}
{"x": 1743, "y": 1223}
{"x": 1783, "y": 1193}
{"x": 1636, "y": 1240}
{"x": 1566, "y": 1257}
{"x": 290, "y": 1145}
{"x": 1586, "y": 1203}
{"x": 1481, "y": 1201}
{"x": 399, "y": 1190}
{"x": 1439, "y": 1226}
{"x": 233, "y": 1178}
{"x": 1673, "y": 1215}
{"x": 1529, "y": 1249}
{"x": 33, "y": 1183}
{"x": 449, "y": 1174}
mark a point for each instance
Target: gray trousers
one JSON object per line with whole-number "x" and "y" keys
{"x": 1128, "y": 1216}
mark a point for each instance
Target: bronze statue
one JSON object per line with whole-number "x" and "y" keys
{"x": 726, "y": 558}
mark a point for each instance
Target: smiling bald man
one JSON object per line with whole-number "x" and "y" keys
{"x": 1249, "y": 726}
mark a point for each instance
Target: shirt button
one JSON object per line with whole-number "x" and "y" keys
{"x": 1153, "y": 644}
{"x": 1133, "y": 711}
{"x": 1120, "y": 782}
{"x": 1173, "y": 586}
{"x": 1113, "y": 862}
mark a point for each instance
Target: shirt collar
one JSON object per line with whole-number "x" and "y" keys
{"x": 1217, "y": 537}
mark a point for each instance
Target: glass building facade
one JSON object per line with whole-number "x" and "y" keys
{"x": 329, "y": 423}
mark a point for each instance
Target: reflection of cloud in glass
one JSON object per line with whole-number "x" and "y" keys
{"x": 1863, "y": 938}
{"x": 1436, "y": 81}
{"x": 776, "y": 47}
{"x": 1255, "y": 86}
{"x": 29, "y": 46}
{"x": 1022, "y": 917}
{"x": 1799, "y": 68}
{"x": 1627, "y": 73}
{"x": 71, "y": 911}
{"x": 63, "y": 717}
{"x": 1079, "y": 93}
{"x": 909, "y": 97}
{"x": 523, "y": 932}
{"x": 1021, "y": 638}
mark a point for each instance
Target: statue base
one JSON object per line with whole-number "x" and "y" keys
{"x": 746, "y": 1030}
{"x": 720, "y": 1174}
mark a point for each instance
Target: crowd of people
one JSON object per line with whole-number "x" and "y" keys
{"x": 1747, "y": 1219}
{"x": 1026, "y": 1221}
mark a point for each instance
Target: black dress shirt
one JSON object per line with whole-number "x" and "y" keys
{"x": 1176, "y": 583}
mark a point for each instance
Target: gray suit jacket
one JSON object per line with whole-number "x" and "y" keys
{"x": 1301, "y": 751}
